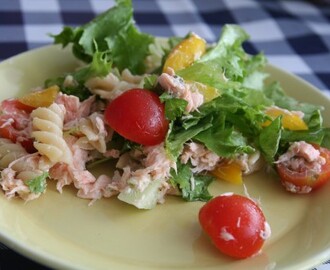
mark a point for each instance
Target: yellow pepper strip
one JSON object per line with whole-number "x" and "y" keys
{"x": 229, "y": 171}
{"x": 290, "y": 120}
{"x": 207, "y": 91}
{"x": 185, "y": 53}
{"x": 43, "y": 98}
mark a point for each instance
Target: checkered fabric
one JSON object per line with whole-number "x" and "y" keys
{"x": 294, "y": 35}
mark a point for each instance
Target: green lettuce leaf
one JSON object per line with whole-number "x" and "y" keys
{"x": 224, "y": 142}
{"x": 254, "y": 74}
{"x": 275, "y": 92}
{"x": 227, "y": 61}
{"x": 177, "y": 136}
{"x": 238, "y": 113}
{"x": 38, "y": 184}
{"x": 150, "y": 81}
{"x": 129, "y": 49}
{"x": 226, "y": 125}
{"x": 174, "y": 107}
{"x": 193, "y": 187}
{"x": 311, "y": 136}
{"x": 113, "y": 32}
{"x": 269, "y": 140}
{"x": 326, "y": 138}
{"x": 99, "y": 67}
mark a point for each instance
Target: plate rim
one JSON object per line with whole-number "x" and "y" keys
{"x": 51, "y": 260}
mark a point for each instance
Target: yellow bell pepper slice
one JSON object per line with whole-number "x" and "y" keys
{"x": 290, "y": 120}
{"x": 185, "y": 53}
{"x": 43, "y": 98}
{"x": 207, "y": 91}
{"x": 229, "y": 171}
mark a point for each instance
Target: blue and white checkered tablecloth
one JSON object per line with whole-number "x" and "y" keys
{"x": 294, "y": 35}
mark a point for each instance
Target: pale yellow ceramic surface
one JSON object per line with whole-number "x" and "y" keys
{"x": 62, "y": 231}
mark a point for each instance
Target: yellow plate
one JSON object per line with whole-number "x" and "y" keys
{"x": 62, "y": 231}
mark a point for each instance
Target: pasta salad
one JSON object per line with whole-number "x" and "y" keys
{"x": 173, "y": 114}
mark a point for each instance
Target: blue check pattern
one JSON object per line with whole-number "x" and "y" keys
{"x": 294, "y": 35}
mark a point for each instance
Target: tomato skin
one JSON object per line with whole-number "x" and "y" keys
{"x": 7, "y": 128}
{"x": 28, "y": 145}
{"x": 138, "y": 115}
{"x": 304, "y": 181}
{"x": 14, "y": 106}
{"x": 28, "y": 109}
{"x": 13, "y": 120}
{"x": 235, "y": 224}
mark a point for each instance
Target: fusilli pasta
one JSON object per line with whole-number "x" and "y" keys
{"x": 14, "y": 178}
{"x": 112, "y": 86}
{"x": 9, "y": 152}
{"x": 48, "y": 131}
{"x": 95, "y": 132}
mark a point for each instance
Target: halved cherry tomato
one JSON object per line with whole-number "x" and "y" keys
{"x": 305, "y": 179}
{"x": 9, "y": 131}
{"x": 14, "y": 119}
{"x": 7, "y": 127}
{"x": 14, "y": 105}
{"x": 235, "y": 224}
{"x": 138, "y": 115}
{"x": 28, "y": 145}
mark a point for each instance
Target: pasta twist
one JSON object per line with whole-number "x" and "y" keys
{"x": 27, "y": 171}
{"x": 47, "y": 126}
{"x": 14, "y": 178}
{"x": 9, "y": 152}
{"x": 93, "y": 128}
{"x": 112, "y": 86}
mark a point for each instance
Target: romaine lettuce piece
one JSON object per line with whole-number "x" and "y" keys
{"x": 146, "y": 199}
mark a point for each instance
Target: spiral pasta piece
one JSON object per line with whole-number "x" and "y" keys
{"x": 93, "y": 128}
{"x": 14, "y": 178}
{"x": 112, "y": 85}
{"x": 47, "y": 126}
{"x": 9, "y": 152}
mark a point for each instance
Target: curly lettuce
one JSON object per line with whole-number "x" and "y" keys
{"x": 113, "y": 32}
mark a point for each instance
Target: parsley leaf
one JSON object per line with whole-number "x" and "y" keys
{"x": 38, "y": 184}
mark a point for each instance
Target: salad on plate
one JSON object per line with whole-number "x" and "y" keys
{"x": 171, "y": 114}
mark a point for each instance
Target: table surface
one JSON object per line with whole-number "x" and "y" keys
{"x": 294, "y": 35}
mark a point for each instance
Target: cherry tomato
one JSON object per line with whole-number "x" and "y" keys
{"x": 28, "y": 145}
{"x": 15, "y": 106}
{"x": 235, "y": 224}
{"x": 7, "y": 127}
{"x": 139, "y": 116}
{"x": 305, "y": 180}
{"x": 13, "y": 120}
